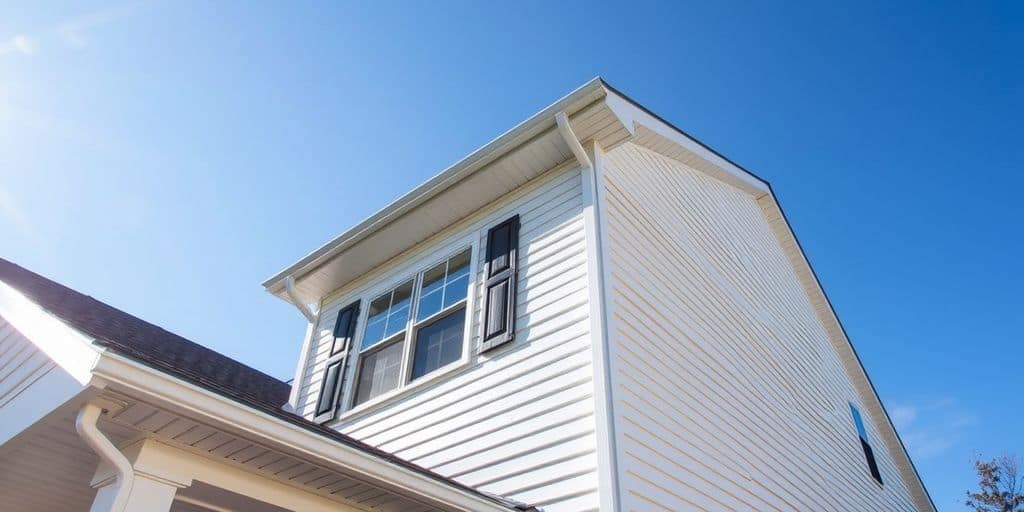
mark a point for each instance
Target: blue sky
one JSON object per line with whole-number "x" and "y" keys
{"x": 167, "y": 156}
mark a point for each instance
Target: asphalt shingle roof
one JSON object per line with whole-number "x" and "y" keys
{"x": 172, "y": 354}
{"x": 148, "y": 343}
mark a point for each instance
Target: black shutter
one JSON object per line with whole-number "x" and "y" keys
{"x": 334, "y": 375}
{"x": 500, "y": 274}
{"x": 345, "y": 329}
{"x": 329, "y": 389}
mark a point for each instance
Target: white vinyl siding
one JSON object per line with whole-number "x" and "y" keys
{"x": 21, "y": 363}
{"x": 727, "y": 392}
{"x": 517, "y": 421}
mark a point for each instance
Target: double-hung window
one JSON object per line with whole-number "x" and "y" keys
{"x": 419, "y": 326}
{"x": 414, "y": 328}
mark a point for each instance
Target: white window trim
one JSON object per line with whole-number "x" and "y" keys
{"x": 346, "y": 409}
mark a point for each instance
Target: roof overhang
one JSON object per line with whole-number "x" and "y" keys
{"x": 121, "y": 375}
{"x": 596, "y": 111}
{"x": 92, "y": 368}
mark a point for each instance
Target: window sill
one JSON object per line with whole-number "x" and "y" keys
{"x": 379, "y": 402}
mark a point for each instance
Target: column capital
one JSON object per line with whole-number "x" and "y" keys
{"x": 150, "y": 459}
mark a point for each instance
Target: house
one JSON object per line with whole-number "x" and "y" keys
{"x": 594, "y": 311}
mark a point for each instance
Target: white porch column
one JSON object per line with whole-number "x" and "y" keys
{"x": 146, "y": 495}
{"x": 157, "y": 477}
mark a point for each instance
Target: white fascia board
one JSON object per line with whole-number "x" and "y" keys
{"x": 68, "y": 347}
{"x": 632, "y": 115}
{"x": 491, "y": 151}
{"x": 847, "y": 353}
{"x": 145, "y": 381}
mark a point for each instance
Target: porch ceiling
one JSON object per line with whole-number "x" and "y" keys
{"x": 50, "y": 468}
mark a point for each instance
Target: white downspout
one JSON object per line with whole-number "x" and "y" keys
{"x": 85, "y": 424}
{"x": 608, "y": 473}
{"x": 307, "y": 342}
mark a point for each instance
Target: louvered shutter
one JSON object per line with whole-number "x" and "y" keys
{"x": 500, "y": 272}
{"x": 334, "y": 374}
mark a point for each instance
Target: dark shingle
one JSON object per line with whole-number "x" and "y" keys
{"x": 165, "y": 351}
{"x": 144, "y": 341}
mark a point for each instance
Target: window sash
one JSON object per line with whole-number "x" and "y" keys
{"x": 426, "y": 324}
{"x": 375, "y": 350}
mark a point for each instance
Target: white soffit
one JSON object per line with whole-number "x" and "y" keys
{"x": 596, "y": 112}
{"x": 660, "y": 136}
{"x": 503, "y": 165}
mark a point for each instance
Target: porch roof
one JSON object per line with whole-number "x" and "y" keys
{"x": 173, "y": 355}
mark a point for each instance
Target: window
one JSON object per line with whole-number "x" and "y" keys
{"x": 441, "y": 315}
{"x": 380, "y": 360}
{"x": 865, "y": 444}
{"x": 414, "y": 329}
{"x": 419, "y": 327}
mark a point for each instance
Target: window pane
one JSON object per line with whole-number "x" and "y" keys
{"x": 376, "y": 320}
{"x": 430, "y": 294}
{"x": 458, "y": 265}
{"x": 858, "y": 422}
{"x": 455, "y": 290}
{"x": 439, "y": 343}
{"x": 378, "y": 372}
{"x": 457, "y": 281}
{"x": 399, "y": 314}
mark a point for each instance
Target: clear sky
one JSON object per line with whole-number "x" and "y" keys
{"x": 165, "y": 157}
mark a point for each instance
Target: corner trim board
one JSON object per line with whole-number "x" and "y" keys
{"x": 608, "y": 474}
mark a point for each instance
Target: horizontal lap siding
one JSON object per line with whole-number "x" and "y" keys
{"x": 518, "y": 422}
{"x": 555, "y": 196}
{"x": 727, "y": 393}
{"x": 21, "y": 363}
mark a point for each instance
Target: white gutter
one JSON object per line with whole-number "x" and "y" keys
{"x": 246, "y": 421}
{"x": 85, "y": 424}
{"x": 293, "y": 297}
{"x": 471, "y": 163}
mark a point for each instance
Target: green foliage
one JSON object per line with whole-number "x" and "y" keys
{"x": 1000, "y": 486}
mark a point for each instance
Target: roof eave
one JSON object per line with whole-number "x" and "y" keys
{"x": 317, "y": 442}
{"x": 489, "y": 152}
{"x": 633, "y": 121}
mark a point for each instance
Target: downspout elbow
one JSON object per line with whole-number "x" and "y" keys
{"x": 85, "y": 424}
{"x": 293, "y": 297}
{"x": 565, "y": 130}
